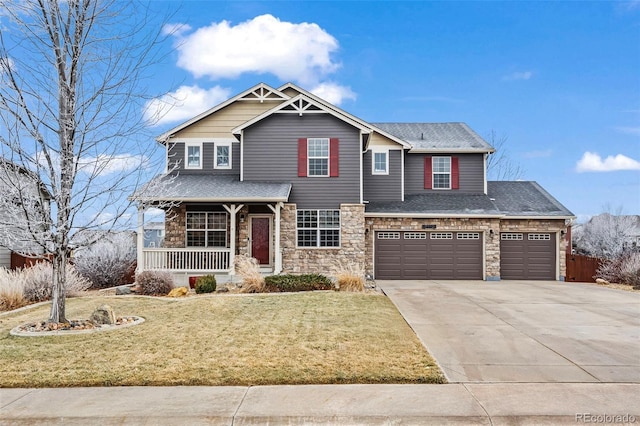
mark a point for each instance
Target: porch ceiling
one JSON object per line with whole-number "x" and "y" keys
{"x": 209, "y": 188}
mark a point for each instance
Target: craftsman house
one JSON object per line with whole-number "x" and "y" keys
{"x": 303, "y": 186}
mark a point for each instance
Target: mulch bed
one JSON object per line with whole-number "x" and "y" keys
{"x": 72, "y": 325}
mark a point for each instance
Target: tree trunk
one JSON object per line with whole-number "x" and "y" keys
{"x": 58, "y": 290}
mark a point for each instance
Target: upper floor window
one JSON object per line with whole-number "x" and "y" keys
{"x": 223, "y": 156}
{"x": 380, "y": 164}
{"x": 318, "y": 228}
{"x": 318, "y": 157}
{"x": 206, "y": 229}
{"x": 441, "y": 169}
{"x": 193, "y": 156}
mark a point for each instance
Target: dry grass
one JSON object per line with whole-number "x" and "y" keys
{"x": 249, "y": 270}
{"x": 11, "y": 290}
{"x": 318, "y": 337}
{"x": 350, "y": 277}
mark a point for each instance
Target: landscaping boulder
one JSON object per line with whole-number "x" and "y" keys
{"x": 179, "y": 292}
{"x": 103, "y": 315}
{"x": 601, "y": 281}
{"x": 123, "y": 289}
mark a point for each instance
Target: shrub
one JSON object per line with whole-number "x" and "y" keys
{"x": 206, "y": 284}
{"x": 11, "y": 290}
{"x": 154, "y": 283}
{"x": 350, "y": 281}
{"x": 109, "y": 262}
{"x": 249, "y": 270}
{"x": 38, "y": 279}
{"x": 624, "y": 269}
{"x": 306, "y": 282}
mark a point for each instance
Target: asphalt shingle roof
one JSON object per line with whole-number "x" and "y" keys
{"x": 437, "y": 136}
{"x": 207, "y": 187}
{"x": 504, "y": 198}
{"x": 524, "y": 198}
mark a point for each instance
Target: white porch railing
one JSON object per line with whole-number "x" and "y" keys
{"x": 186, "y": 259}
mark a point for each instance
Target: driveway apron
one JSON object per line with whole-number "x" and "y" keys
{"x": 524, "y": 331}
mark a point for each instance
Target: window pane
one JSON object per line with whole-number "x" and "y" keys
{"x": 318, "y": 147}
{"x": 196, "y": 238}
{"x": 193, "y": 156}
{"x": 318, "y": 167}
{"x": 441, "y": 181}
{"x": 307, "y": 238}
{"x": 329, "y": 218}
{"x": 329, "y": 238}
{"x": 307, "y": 219}
{"x": 196, "y": 220}
{"x": 441, "y": 164}
{"x": 217, "y": 221}
{"x": 217, "y": 238}
{"x": 222, "y": 156}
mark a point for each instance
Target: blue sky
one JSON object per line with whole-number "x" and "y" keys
{"x": 561, "y": 80}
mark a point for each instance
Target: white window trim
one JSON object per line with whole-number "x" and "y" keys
{"x": 215, "y": 156}
{"x": 373, "y": 161}
{"x": 187, "y": 145}
{"x": 318, "y": 229}
{"x": 434, "y": 173}
{"x": 328, "y": 157}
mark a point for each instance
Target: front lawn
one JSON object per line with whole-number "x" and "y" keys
{"x": 310, "y": 338}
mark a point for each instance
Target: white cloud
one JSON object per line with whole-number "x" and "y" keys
{"x": 183, "y": 104}
{"x": 592, "y": 162}
{"x": 525, "y": 75}
{"x": 628, "y": 130}
{"x": 104, "y": 165}
{"x": 333, "y": 93}
{"x": 292, "y": 52}
{"x": 175, "y": 29}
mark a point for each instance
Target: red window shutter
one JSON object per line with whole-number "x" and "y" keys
{"x": 428, "y": 178}
{"x": 302, "y": 157}
{"x": 455, "y": 173}
{"x": 334, "y": 155}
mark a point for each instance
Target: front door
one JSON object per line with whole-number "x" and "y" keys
{"x": 261, "y": 238}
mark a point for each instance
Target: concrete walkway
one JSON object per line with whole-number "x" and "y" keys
{"x": 490, "y": 404}
{"x": 524, "y": 331}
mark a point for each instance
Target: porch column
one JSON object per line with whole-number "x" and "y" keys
{"x": 232, "y": 209}
{"x": 278, "y": 260}
{"x": 140, "y": 240}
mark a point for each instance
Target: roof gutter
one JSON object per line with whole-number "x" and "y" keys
{"x": 436, "y": 215}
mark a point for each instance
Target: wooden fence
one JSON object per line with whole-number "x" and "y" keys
{"x": 582, "y": 268}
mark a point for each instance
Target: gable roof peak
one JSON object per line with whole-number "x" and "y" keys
{"x": 260, "y": 92}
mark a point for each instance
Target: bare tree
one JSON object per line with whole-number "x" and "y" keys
{"x": 500, "y": 166}
{"x": 606, "y": 235}
{"x": 72, "y": 89}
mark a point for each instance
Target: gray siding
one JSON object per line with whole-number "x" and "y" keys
{"x": 176, "y": 156}
{"x": 471, "y": 174}
{"x": 271, "y": 154}
{"x": 5, "y": 258}
{"x": 383, "y": 187}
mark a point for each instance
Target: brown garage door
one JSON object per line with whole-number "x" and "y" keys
{"x": 403, "y": 255}
{"x": 527, "y": 256}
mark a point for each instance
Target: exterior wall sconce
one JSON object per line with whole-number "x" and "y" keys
{"x": 491, "y": 233}
{"x": 241, "y": 218}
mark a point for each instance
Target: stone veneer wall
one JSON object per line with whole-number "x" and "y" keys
{"x": 541, "y": 225}
{"x": 492, "y": 244}
{"x": 175, "y": 227}
{"x": 329, "y": 261}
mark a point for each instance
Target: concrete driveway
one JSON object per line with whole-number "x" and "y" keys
{"x": 524, "y": 331}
